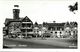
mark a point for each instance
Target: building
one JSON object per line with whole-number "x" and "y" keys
{"x": 18, "y": 27}
{"x": 49, "y": 29}
{"x": 57, "y": 30}
{"x": 36, "y": 30}
{"x": 71, "y": 29}
{"x": 24, "y": 27}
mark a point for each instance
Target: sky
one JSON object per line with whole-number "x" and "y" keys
{"x": 40, "y": 10}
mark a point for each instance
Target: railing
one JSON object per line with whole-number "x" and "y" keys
{"x": 26, "y": 27}
{"x": 27, "y": 32}
{"x": 26, "y": 22}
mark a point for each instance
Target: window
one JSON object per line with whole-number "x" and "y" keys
{"x": 58, "y": 28}
{"x": 37, "y": 31}
{"x": 62, "y": 28}
{"x": 55, "y": 32}
{"x": 51, "y": 32}
{"x": 53, "y": 28}
{"x": 18, "y": 34}
{"x": 60, "y": 32}
{"x": 29, "y": 30}
{"x": 23, "y": 30}
{"x": 24, "y": 34}
{"x": 45, "y": 31}
{"x": 73, "y": 31}
{"x": 34, "y": 31}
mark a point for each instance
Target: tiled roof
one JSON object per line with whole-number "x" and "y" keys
{"x": 12, "y": 20}
{"x": 8, "y": 20}
{"x": 55, "y": 24}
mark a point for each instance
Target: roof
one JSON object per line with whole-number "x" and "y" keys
{"x": 26, "y": 19}
{"x": 8, "y": 20}
{"x": 55, "y": 24}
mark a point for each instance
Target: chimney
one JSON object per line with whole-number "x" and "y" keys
{"x": 16, "y": 12}
{"x": 54, "y": 21}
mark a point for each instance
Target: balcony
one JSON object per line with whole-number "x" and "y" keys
{"x": 29, "y": 32}
{"x": 26, "y": 22}
{"x": 24, "y": 32}
{"x": 26, "y": 27}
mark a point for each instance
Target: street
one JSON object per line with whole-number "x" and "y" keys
{"x": 39, "y": 43}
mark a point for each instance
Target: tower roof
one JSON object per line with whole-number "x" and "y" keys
{"x": 16, "y": 5}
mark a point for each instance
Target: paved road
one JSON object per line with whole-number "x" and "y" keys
{"x": 39, "y": 43}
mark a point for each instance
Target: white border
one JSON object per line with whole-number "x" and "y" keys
{"x": 40, "y": 50}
